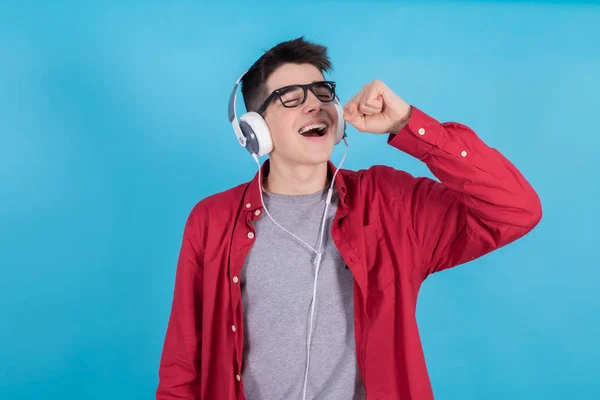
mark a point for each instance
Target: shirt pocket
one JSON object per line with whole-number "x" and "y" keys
{"x": 379, "y": 274}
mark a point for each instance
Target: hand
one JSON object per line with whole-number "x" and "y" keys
{"x": 377, "y": 109}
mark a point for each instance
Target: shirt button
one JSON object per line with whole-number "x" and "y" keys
{"x": 463, "y": 153}
{"x": 235, "y": 279}
{"x": 239, "y": 378}
{"x": 250, "y": 235}
{"x": 421, "y": 131}
{"x": 233, "y": 328}
{"x": 257, "y": 213}
{"x": 248, "y": 205}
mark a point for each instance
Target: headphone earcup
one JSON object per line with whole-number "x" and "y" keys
{"x": 341, "y": 123}
{"x": 257, "y": 133}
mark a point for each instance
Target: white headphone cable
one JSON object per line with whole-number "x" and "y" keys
{"x": 318, "y": 266}
{"x": 317, "y": 261}
{"x": 327, "y": 202}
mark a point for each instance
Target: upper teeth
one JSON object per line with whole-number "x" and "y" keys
{"x": 312, "y": 126}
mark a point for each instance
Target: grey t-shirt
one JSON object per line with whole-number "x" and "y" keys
{"x": 277, "y": 287}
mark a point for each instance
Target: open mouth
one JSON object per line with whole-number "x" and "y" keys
{"x": 313, "y": 130}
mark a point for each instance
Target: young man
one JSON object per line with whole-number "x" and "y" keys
{"x": 252, "y": 319}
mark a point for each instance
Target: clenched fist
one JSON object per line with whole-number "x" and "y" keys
{"x": 377, "y": 109}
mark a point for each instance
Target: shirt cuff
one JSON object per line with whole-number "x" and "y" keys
{"x": 419, "y": 136}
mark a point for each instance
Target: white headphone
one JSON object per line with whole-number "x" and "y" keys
{"x": 253, "y": 133}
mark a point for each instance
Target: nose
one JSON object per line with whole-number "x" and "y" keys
{"x": 312, "y": 103}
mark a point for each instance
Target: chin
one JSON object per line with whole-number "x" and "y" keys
{"x": 317, "y": 158}
{"x": 307, "y": 154}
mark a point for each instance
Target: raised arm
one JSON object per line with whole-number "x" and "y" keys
{"x": 482, "y": 201}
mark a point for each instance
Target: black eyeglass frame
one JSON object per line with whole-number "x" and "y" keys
{"x": 277, "y": 93}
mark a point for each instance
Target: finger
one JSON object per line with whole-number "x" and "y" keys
{"x": 365, "y": 102}
{"x": 374, "y": 94}
{"x": 351, "y": 111}
{"x": 354, "y": 100}
{"x": 371, "y": 101}
{"x": 359, "y": 104}
{"x": 374, "y": 101}
{"x": 353, "y": 117}
{"x": 383, "y": 92}
{"x": 365, "y": 109}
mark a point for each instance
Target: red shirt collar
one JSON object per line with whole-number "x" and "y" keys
{"x": 252, "y": 195}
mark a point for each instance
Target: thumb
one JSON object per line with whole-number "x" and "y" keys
{"x": 350, "y": 112}
{"x": 352, "y": 116}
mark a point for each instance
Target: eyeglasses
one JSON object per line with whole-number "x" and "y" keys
{"x": 294, "y": 95}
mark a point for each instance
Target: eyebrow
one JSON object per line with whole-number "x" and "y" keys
{"x": 293, "y": 84}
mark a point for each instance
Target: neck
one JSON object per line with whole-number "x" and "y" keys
{"x": 296, "y": 180}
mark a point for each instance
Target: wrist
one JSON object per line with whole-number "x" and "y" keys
{"x": 397, "y": 127}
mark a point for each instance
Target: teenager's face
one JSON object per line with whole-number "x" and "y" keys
{"x": 291, "y": 145}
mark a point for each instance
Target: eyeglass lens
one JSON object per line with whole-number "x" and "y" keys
{"x": 293, "y": 96}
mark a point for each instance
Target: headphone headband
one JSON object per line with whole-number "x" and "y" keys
{"x": 233, "y": 115}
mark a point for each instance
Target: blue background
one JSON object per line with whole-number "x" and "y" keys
{"x": 113, "y": 125}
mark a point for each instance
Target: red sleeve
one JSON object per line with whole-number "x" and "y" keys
{"x": 179, "y": 376}
{"x": 482, "y": 203}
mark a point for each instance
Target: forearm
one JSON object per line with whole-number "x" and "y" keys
{"x": 483, "y": 201}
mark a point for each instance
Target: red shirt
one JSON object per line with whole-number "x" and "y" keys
{"x": 392, "y": 230}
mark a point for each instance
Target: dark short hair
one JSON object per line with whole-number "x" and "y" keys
{"x": 296, "y": 51}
